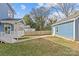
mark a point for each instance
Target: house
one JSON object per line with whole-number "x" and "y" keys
{"x": 28, "y": 29}
{"x": 67, "y": 28}
{"x": 10, "y": 28}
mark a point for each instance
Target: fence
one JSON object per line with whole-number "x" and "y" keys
{"x": 29, "y": 30}
{"x": 38, "y": 33}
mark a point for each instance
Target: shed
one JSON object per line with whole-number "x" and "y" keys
{"x": 67, "y": 28}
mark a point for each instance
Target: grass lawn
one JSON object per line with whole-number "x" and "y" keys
{"x": 72, "y": 44}
{"x": 36, "y": 47}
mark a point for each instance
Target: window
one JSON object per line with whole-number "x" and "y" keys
{"x": 56, "y": 29}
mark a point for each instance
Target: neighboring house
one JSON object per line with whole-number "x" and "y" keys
{"x": 67, "y": 28}
{"x": 28, "y": 28}
{"x": 10, "y": 28}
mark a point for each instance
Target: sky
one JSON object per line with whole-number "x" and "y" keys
{"x": 22, "y": 9}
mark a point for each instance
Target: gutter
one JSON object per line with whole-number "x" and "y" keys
{"x": 66, "y": 21}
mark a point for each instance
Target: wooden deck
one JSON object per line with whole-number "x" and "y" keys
{"x": 9, "y": 38}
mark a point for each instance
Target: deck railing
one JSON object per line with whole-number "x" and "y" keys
{"x": 12, "y": 33}
{"x": 9, "y": 37}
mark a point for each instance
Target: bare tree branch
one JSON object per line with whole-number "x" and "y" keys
{"x": 67, "y": 8}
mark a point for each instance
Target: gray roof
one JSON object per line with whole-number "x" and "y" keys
{"x": 10, "y": 20}
{"x": 6, "y": 19}
{"x": 11, "y": 7}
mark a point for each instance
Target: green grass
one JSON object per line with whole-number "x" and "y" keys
{"x": 37, "y": 47}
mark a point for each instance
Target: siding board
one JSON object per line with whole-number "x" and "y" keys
{"x": 65, "y": 30}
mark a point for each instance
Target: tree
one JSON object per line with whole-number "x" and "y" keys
{"x": 29, "y": 21}
{"x": 67, "y": 8}
{"x": 38, "y": 16}
{"x": 53, "y": 20}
